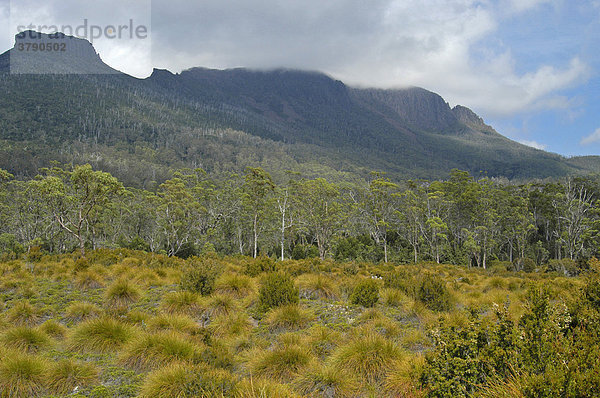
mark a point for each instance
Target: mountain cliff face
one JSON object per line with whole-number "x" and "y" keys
{"x": 39, "y": 53}
{"x": 227, "y": 119}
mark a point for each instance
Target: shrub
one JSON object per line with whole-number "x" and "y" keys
{"x": 154, "y": 350}
{"x": 100, "y": 335}
{"x": 21, "y": 375}
{"x": 257, "y": 266}
{"x": 277, "y": 289}
{"x": 121, "y": 294}
{"x": 67, "y": 374}
{"x": 290, "y": 317}
{"x": 368, "y": 356}
{"x": 434, "y": 293}
{"x": 401, "y": 279}
{"x": 26, "y": 339}
{"x": 365, "y": 293}
{"x": 282, "y": 363}
{"x": 200, "y": 276}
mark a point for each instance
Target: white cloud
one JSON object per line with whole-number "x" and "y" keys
{"x": 592, "y": 138}
{"x": 441, "y": 45}
{"x": 534, "y": 144}
{"x": 381, "y": 43}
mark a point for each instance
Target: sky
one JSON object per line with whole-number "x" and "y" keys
{"x": 530, "y": 68}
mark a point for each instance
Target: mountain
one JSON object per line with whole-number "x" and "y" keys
{"x": 224, "y": 120}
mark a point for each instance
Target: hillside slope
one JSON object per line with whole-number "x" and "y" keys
{"x": 224, "y": 120}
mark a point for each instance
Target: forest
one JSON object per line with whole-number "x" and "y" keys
{"x": 552, "y": 226}
{"x": 244, "y": 287}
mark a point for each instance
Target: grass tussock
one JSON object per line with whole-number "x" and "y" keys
{"x": 313, "y": 286}
{"x": 26, "y": 339}
{"x": 235, "y": 285}
{"x": 368, "y": 356}
{"x": 121, "y": 294}
{"x": 21, "y": 375}
{"x": 187, "y": 381}
{"x": 64, "y": 376}
{"x": 283, "y": 363}
{"x": 23, "y": 314}
{"x": 326, "y": 381}
{"x": 82, "y": 311}
{"x": 288, "y": 317}
{"x": 152, "y": 351}
{"x": 100, "y": 335}
{"x": 182, "y": 302}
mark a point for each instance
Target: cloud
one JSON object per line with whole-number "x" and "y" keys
{"x": 448, "y": 46}
{"x": 534, "y": 144}
{"x": 380, "y": 43}
{"x": 591, "y": 139}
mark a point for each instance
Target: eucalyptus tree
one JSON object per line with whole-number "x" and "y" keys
{"x": 378, "y": 209}
{"x": 75, "y": 198}
{"x": 320, "y": 212}
{"x": 258, "y": 188}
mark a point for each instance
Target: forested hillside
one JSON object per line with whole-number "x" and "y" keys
{"x": 225, "y": 121}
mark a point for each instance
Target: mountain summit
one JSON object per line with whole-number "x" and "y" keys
{"x": 224, "y": 120}
{"x": 40, "y": 53}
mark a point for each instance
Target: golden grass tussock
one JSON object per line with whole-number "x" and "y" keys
{"x": 23, "y": 313}
{"x": 66, "y": 375}
{"x": 317, "y": 286}
{"x": 121, "y": 294}
{"x": 367, "y": 356}
{"x": 21, "y": 375}
{"x": 82, "y": 311}
{"x": 174, "y": 322}
{"x": 282, "y": 363}
{"x": 288, "y": 317}
{"x": 151, "y": 351}
{"x": 235, "y": 285}
{"x": 326, "y": 381}
{"x": 182, "y": 302}
{"x": 188, "y": 381}
{"x": 100, "y": 335}
{"x": 26, "y": 339}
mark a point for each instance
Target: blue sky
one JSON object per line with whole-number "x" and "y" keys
{"x": 553, "y": 34}
{"x": 530, "y": 68}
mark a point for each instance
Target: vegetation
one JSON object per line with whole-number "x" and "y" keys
{"x": 434, "y": 331}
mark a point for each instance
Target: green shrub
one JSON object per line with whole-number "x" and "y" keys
{"x": 257, "y": 266}
{"x": 401, "y": 279}
{"x": 366, "y": 293}
{"x": 200, "y": 276}
{"x": 277, "y": 289}
{"x": 434, "y": 293}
